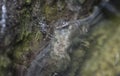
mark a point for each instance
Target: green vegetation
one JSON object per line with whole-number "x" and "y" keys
{"x": 27, "y": 41}
{"x": 53, "y": 11}
{"x": 28, "y": 1}
{"x": 99, "y": 54}
{"x": 4, "y": 62}
{"x": 105, "y": 44}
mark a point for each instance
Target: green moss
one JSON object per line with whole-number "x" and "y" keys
{"x": 105, "y": 58}
{"x": 27, "y": 45}
{"x": 99, "y": 53}
{"x": 24, "y": 26}
{"x": 52, "y": 11}
{"x": 27, "y": 40}
{"x": 28, "y": 1}
{"x": 76, "y": 60}
{"x": 4, "y": 63}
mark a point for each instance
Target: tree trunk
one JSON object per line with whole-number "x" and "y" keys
{"x": 59, "y": 38}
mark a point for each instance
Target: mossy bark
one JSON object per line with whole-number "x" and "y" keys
{"x": 21, "y": 39}
{"x": 99, "y": 52}
{"x": 105, "y": 58}
{"x": 95, "y": 53}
